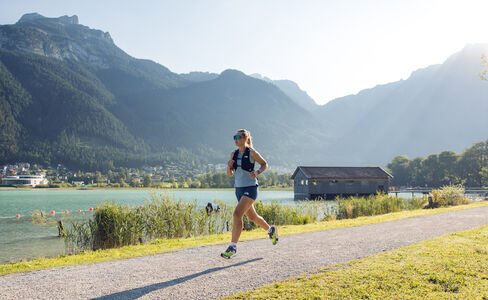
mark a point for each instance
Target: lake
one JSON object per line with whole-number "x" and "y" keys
{"x": 20, "y": 239}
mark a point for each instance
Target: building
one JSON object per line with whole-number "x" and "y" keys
{"x": 31, "y": 180}
{"x": 330, "y": 182}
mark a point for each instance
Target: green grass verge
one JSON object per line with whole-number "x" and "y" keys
{"x": 453, "y": 266}
{"x": 170, "y": 245}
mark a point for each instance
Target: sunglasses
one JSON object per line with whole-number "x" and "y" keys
{"x": 237, "y": 137}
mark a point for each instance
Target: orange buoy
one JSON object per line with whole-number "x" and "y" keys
{"x": 66, "y": 212}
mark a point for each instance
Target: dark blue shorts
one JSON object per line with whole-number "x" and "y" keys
{"x": 248, "y": 191}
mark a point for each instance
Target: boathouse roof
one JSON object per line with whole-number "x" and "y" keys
{"x": 349, "y": 173}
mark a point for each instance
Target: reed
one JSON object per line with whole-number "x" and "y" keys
{"x": 304, "y": 212}
{"x": 353, "y": 207}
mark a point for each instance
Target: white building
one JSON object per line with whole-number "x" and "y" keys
{"x": 32, "y": 180}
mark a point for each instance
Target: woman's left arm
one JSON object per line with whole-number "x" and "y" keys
{"x": 260, "y": 160}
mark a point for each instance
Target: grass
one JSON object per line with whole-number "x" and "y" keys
{"x": 453, "y": 266}
{"x": 170, "y": 245}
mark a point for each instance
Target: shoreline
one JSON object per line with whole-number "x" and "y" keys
{"x": 137, "y": 188}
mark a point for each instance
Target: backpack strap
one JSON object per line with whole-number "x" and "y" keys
{"x": 234, "y": 158}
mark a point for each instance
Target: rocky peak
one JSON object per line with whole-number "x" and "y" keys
{"x": 67, "y": 20}
{"x": 30, "y": 17}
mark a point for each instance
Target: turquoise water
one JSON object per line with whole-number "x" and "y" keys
{"x": 20, "y": 239}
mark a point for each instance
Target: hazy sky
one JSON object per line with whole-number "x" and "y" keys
{"x": 330, "y": 48}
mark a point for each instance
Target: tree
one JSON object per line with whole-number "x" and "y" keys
{"x": 181, "y": 181}
{"x": 146, "y": 181}
{"x": 99, "y": 177}
{"x": 472, "y": 162}
{"x": 399, "y": 169}
{"x": 447, "y": 167}
{"x": 415, "y": 171}
{"x": 430, "y": 169}
{"x": 134, "y": 183}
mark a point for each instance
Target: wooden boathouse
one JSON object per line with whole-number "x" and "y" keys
{"x": 330, "y": 182}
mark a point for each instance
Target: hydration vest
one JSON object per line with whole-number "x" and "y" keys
{"x": 245, "y": 161}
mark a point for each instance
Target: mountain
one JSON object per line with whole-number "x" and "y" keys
{"x": 69, "y": 95}
{"x": 441, "y": 107}
{"x": 207, "y": 113}
{"x": 65, "y": 39}
{"x": 292, "y": 90}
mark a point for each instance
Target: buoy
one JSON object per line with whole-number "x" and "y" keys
{"x": 52, "y": 212}
{"x": 91, "y": 208}
{"x": 17, "y": 216}
{"x": 127, "y": 207}
{"x": 140, "y": 206}
{"x": 66, "y": 212}
{"x": 79, "y": 210}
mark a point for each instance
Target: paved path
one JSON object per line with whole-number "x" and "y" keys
{"x": 200, "y": 273}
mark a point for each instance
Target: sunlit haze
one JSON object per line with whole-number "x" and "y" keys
{"x": 329, "y": 48}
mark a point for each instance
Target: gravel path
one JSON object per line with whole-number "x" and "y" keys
{"x": 200, "y": 273}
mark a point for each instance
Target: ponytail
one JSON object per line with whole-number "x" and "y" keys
{"x": 249, "y": 141}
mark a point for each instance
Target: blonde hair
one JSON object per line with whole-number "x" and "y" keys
{"x": 245, "y": 133}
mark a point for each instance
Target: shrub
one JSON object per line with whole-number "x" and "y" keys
{"x": 449, "y": 195}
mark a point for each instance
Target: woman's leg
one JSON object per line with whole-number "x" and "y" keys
{"x": 257, "y": 219}
{"x": 244, "y": 204}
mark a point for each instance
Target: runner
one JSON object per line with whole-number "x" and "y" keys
{"x": 241, "y": 166}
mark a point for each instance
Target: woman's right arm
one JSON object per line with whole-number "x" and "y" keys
{"x": 230, "y": 165}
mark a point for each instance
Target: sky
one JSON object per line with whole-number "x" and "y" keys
{"x": 329, "y": 48}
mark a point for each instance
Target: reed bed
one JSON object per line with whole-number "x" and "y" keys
{"x": 304, "y": 212}
{"x": 353, "y": 207}
{"x": 164, "y": 217}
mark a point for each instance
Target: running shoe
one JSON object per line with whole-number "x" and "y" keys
{"x": 231, "y": 251}
{"x": 273, "y": 235}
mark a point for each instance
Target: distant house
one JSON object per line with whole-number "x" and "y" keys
{"x": 31, "y": 180}
{"x": 330, "y": 182}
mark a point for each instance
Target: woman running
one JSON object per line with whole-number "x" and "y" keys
{"x": 241, "y": 166}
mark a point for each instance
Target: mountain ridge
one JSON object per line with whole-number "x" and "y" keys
{"x": 68, "y": 94}
{"x": 92, "y": 102}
